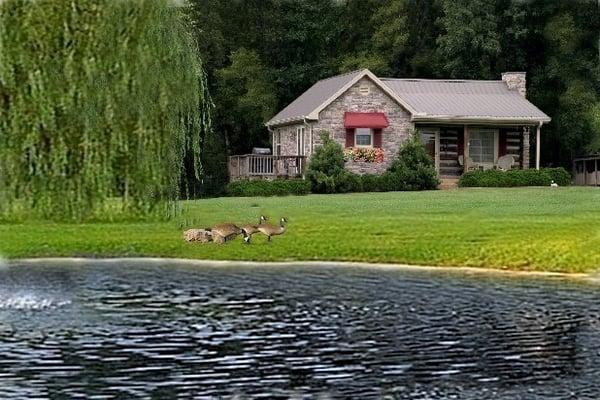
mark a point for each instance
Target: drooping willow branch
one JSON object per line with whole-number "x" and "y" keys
{"x": 100, "y": 100}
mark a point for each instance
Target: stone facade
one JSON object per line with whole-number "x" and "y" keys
{"x": 331, "y": 119}
{"x": 516, "y": 81}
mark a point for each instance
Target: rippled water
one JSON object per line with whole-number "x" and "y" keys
{"x": 130, "y": 330}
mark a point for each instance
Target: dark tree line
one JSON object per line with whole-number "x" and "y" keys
{"x": 261, "y": 54}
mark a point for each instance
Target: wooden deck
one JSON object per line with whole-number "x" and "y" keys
{"x": 255, "y": 166}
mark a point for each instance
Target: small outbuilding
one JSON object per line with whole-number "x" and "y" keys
{"x": 587, "y": 170}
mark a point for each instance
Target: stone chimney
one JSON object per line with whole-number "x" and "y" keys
{"x": 515, "y": 81}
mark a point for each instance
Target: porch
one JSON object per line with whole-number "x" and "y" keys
{"x": 260, "y": 166}
{"x": 460, "y": 148}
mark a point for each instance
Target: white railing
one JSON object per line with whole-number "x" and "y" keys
{"x": 260, "y": 165}
{"x": 265, "y": 166}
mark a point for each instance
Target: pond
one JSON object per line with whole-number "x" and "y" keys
{"x": 137, "y": 329}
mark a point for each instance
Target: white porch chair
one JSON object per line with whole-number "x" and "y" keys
{"x": 506, "y": 162}
{"x": 472, "y": 164}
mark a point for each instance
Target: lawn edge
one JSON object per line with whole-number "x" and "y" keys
{"x": 590, "y": 276}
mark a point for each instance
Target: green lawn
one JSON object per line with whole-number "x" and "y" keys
{"x": 525, "y": 229}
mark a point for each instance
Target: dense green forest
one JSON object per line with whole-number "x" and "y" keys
{"x": 260, "y": 54}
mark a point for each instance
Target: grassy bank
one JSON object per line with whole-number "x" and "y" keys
{"x": 522, "y": 229}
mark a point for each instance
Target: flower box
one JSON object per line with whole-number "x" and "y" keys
{"x": 374, "y": 155}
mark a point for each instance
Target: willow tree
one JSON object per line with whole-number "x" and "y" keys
{"x": 99, "y": 99}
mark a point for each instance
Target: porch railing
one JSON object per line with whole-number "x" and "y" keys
{"x": 256, "y": 166}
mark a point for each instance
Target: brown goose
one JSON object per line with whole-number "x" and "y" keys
{"x": 271, "y": 230}
{"x": 224, "y": 232}
{"x": 250, "y": 229}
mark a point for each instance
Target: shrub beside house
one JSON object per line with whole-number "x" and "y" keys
{"x": 514, "y": 178}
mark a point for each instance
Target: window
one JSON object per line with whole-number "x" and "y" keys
{"x": 277, "y": 150}
{"x": 482, "y": 145}
{"x": 363, "y": 137}
{"x": 363, "y": 89}
{"x": 300, "y": 141}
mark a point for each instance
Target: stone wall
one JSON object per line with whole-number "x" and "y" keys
{"x": 288, "y": 135}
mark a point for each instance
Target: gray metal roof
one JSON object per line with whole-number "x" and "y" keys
{"x": 426, "y": 99}
{"x": 463, "y": 99}
{"x": 316, "y": 95}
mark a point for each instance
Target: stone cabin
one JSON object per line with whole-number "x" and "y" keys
{"x": 464, "y": 124}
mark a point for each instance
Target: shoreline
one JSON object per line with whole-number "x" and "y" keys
{"x": 595, "y": 276}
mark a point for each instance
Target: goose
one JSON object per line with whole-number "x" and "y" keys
{"x": 224, "y": 232}
{"x": 273, "y": 230}
{"x": 553, "y": 184}
{"x": 250, "y": 229}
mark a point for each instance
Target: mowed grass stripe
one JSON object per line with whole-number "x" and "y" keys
{"x": 553, "y": 229}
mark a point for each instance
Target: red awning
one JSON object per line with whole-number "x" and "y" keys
{"x": 365, "y": 120}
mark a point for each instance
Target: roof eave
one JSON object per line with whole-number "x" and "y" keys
{"x": 480, "y": 119}
{"x": 286, "y": 121}
{"x": 314, "y": 115}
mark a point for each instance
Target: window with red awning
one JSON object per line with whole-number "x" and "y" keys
{"x": 374, "y": 121}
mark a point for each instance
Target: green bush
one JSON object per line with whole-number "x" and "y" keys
{"x": 515, "y": 177}
{"x": 277, "y": 187}
{"x": 347, "y": 182}
{"x": 327, "y": 158}
{"x": 413, "y": 169}
{"x": 370, "y": 182}
{"x": 389, "y": 182}
{"x": 326, "y": 167}
{"x": 559, "y": 175}
{"x": 321, "y": 183}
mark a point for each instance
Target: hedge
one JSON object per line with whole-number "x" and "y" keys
{"x": 277, "y": 187}
{"x": 559, "y": 175}
{"x": 515, "y": 177}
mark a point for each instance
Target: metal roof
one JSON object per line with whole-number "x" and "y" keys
{"x": 464, "y": 99}
{"x": 310, "y": 100}
{"x": 425, "y": 99}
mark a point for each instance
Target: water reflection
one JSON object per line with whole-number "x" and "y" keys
{"x": 134, "y": 330}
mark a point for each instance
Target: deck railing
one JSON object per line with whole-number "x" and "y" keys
{"x": 256, "y": 166}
